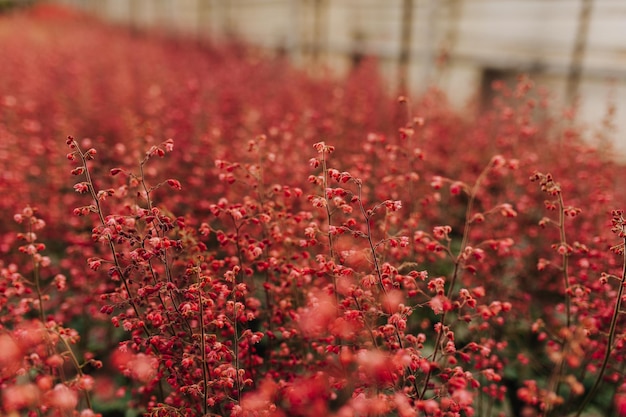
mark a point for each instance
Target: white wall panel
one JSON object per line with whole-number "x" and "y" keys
{"x": 510, "y": 35}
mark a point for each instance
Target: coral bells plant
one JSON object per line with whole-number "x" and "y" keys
{"x": 299, "y": 247}
{"x": 39, "y": 367}
{"x": 162, "y": 308}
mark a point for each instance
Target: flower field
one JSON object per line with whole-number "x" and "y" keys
{"x": 204, "y": 230}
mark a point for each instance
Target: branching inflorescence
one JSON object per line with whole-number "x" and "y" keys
{"x": 310, "y": 247}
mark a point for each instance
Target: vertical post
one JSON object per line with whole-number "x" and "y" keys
{"x": 318, "y": 7}
{"x": 227, "y": 27}
{"x": 170, "y": 15}
{"x": 203, "y": 13}
{"x": 405, "y": 45}
{"x": 446, "y": 49}
{"x": 294, "y": 43}
{"x": 97, "y": 8}
{"x": 160, "y": 15}
{"x": 133, "y": 15}
{"x": 578, "y": 53}
{"x": 428, "y": 35}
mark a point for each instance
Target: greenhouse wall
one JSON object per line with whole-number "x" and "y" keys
{"x": 576, "y": 48}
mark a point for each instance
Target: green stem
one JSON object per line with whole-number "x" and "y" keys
{"x": 77, "y": 366}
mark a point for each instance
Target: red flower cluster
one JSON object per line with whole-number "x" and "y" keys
{"x": 235, "y": 238}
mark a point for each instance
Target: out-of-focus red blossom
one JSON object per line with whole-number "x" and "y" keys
{"x": 440, "y": 304}
{"x": 318, "y": 266}
{"x": 11, "y": 355}
{"x": 308, "y": 396}
{"x": 456, "y": 188}
{"x": 261, "y": 402}
{"x": 620, "y": 404}
{"x": 104, "y": 388}
{"x": 61, "y": 398}
{"x": 403, "y": 406}
{"x": 315, "y": 319}
{"x": 138, "y": 366}
{"x": 20, "y": 396}
{"x": 377, "y": 366}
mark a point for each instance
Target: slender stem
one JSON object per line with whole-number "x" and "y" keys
{"x": 435, "y": 352}
{"x": 236, "y": 350}
{"x": 205, "y": 378}
{"x": 329, "y": 234}
{"x": 143, "y": 184}
{"x": 555, "y": 380}
{"x": 76, "y": 366}
{"x": 466, "y": 231}
{"x": 457, "y": 270}
{"x": 98, "y": 211}
{"x": 329, "y": 221}
{"x": 609, "y": 343}
{"x": 163, "y": 258}
{"x": 42, "y": 315}
{"x": 369, "y": 240}
{"x": 235, "y": 319}
{"x": 374, "y": 256}
{"x": 565, "y": 259}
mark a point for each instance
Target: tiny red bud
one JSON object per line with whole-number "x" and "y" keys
{"x": 174, "y": 184}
